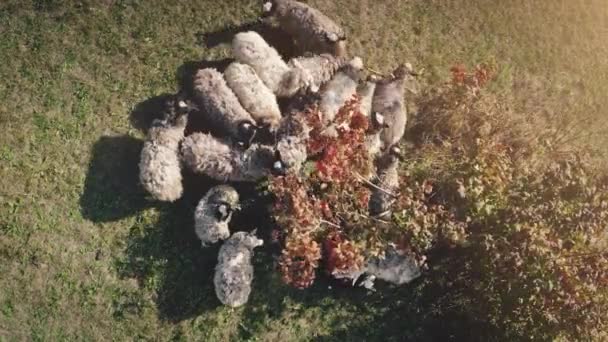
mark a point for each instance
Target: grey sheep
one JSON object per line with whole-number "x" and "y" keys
{"x": 389, "y": 103}
{"x": 159, "y": 165}
{"x": 309, "y": 74}
{"x": 253, "y": 94}
{"x": 366, "y": 95}
{"x": 291, "y": 151}
{"x": 213, "y": 214}
{"x": 312, "y": 30}
{"x": 221, "y": 105}
{"x": 340, "y": 89}
{"x": 387, "y": 182}
{"x": 395, "y": 267}
{"x": 222, "y": 161}
{"x": 234, "y": 270}
{"x": 251, "y": 49}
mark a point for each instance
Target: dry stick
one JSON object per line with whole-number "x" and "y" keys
{"x": 373, "y": 71}
{"x": 329, "y": 223}
{"x": 376, "y": 218}
{"x": 361, "y": 178}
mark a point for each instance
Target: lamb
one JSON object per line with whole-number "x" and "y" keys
{"x": 234, "y": 271}
{"x": 387, "y": 183}
{"x": 309, "y": 74}
{"x": 222, "y": 106}
{"x": 253, "y": 94}
{"x": 213, "y": 214}
{"x": 251, "y": 49}
{"x": 220, "y": 160}
{"x": 312, "y": 30}
{"x": 159, "y": 165}
{"x": 389, "y": 102}
{"x": 291, "y": 147}
{"x": 340, "y": 89}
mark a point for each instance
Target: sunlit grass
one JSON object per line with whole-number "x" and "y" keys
{"x": 84, "y": 255}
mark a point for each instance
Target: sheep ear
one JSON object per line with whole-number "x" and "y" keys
{"x": 254, "y": 232}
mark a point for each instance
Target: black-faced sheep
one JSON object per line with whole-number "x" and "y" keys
{"x": 213, "y": 214}
{"x": 223, "y": 161}
{"x": 234, "y": 271}
{"x": 251, "y": 49}
{"x": 221, "y": 106}
{"x": 253, "y": 94}
{"x": 159, "y": 166}
{"x": 312, "y": 30}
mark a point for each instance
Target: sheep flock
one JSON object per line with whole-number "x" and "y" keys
{"x": 242, "y": 102}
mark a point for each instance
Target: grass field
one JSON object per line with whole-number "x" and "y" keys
{"x": 85, "y": 255}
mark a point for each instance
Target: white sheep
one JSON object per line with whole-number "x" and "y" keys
{"x": 251, "y": 49}
{"x": 383, "y": 196}
{"x": 234, "y": 271}
{"x": 312, "y": 30}
{"x": 340, "y": 89}
{"x": 213, "y": 214}
{"x": 159, "y": 166}
{"x": 309, "y": 74}
{"x": 253, "y": 94}
{"x": 221, "y": 106}
{"x": 220, "y": 160}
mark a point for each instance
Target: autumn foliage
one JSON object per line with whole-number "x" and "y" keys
{"x": 516, "y": 224}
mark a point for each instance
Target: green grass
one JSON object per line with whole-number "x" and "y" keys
{"x": 84, "y": 255}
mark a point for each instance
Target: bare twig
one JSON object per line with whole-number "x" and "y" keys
{"x": 329, "y": 223}
{"x": 373, "y": 71}
{"x": 376, "y": 218}
{"x": 361, "y": 178}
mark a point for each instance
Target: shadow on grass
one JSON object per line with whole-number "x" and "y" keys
{"x": 168, "y": 254}
{"x": 147, "y": 111}
{"x": 111, "y": 188}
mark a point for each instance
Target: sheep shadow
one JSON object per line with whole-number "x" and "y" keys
{"x": 275, "y": 36}
{"x": 168, "y": 252}
{"x": 147, "y": 111}
{"x": 111, "y": 187}
{"x": 187, "y": 71}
